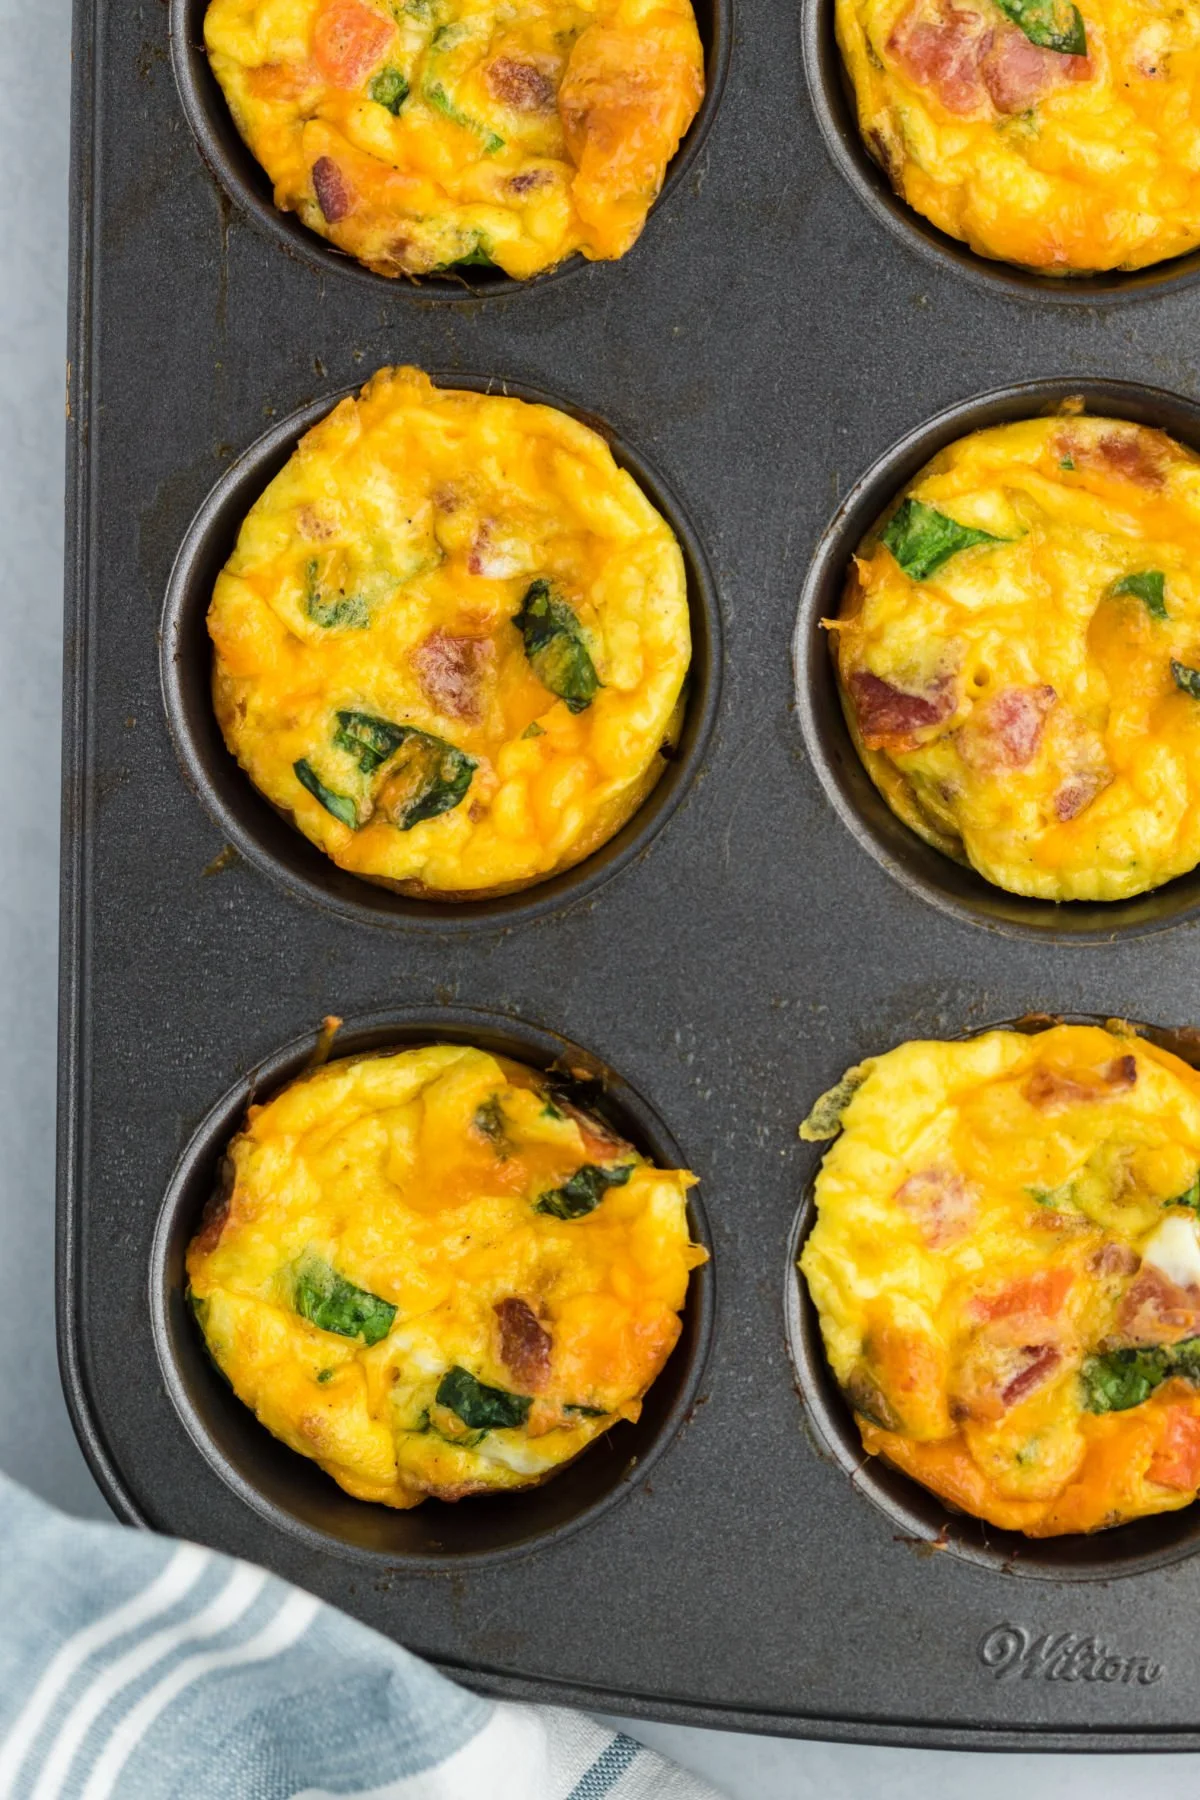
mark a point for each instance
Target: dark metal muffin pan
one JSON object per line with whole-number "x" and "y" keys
{"x": 763, "y": 347}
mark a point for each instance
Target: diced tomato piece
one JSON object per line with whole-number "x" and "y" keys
{"x": 1036, "y": 1296}
{"x": 348, "y": 40}
{"x": 1176, "y": 1462}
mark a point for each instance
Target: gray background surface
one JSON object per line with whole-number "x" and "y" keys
{"x": 36, "y": 1444}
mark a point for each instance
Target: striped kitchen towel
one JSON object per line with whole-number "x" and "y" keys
{"x": 135, "y": 1667}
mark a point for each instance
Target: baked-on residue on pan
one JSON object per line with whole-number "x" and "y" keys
{"x": 1006, "y": 1269}
{"x": 1058, "y": 137}
{"x": 1018, "y": 652}
{"x": 434, "y": 1274}
{"x": 427, "y": 134}
{"x": 451, "y": 640}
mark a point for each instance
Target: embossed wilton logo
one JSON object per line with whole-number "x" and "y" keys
{"x": 1061, "y": 1656}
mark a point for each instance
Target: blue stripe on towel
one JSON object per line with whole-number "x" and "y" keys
{"x": 607, "y": 1770}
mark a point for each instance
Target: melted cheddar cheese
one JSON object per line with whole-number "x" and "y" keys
{"x": 435, "y": 1276}
{"x": 424, "y": 134}
{"x": 451, "y": 640}
{"x": 1006, "y": 1268}
{"x": 1018, "y": 651}
{"x": 1059, "y": 137}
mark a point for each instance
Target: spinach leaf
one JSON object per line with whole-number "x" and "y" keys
{"x": 921, "y": 539}
{"x": 478, "y": 254}
{"x": 427, "y": 777}
{"x": 584, "y": 1191}
{"x": 1120, "y": 1379}
{"x": 389, "y": 89}
{"x": 586, "y": 1412}
{"x": 369, "y": 739}
{"x": 489, "y": 1119}
{"x": 1187, "y": 680}
{"x": 438, "y": 98}
{"x": 480, "y": 1407}
{"x": 326, "y": 1300}
{"x": 1190, "y": 1195}
{"x": 1051, "y": 24}
{"x": 1149, "y": 587}
{"x": 340, "y": 805}
{"x": 348, "y": 612}
{"x": 555, "y": 648}
{"x": 825, "y": 1119}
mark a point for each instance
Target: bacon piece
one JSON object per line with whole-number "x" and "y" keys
{"x": 1006, "y": 731}
{"x": 600, "y": 1142}
{"x": 996, "y": 1372}
{"x": 1156, "y": 1310}
{"x": 1113, "y": 1259}
{"x": 1052, "y": 1091}
{"x": 941, "y": 1203}
{"x": 940, "y": 47}
{"x": 888, "y": 717}
{"x": 451, "y": 672}
{"x": 1041, "y": 1362}
{"x": 1017, "y": 73}
{"x": 521, "y": 85}
{"x": 1176, "y": 1461}
{"x": 1078, "y": 791}
{"x": 525, "y": 1345}
{"x": 348, "y": 41}
{"x": 1131, "y": 453}
{"x": 1032, "y": 1299}
{"x": 335, "y": 196}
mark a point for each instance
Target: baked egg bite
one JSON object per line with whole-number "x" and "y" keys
{"x": 1062, "y": 138}
{"x": 435, "y": 1275}
{"x": 1018, "y": 651}
{"x": 451, "y": 640}
{"x": 1006, "y": 1268}
{"x": 420, "y": 135}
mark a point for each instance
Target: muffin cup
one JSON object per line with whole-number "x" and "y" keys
{"x": 920, "y": 1515}
{"x": 832, "y": 95}
{"x": 291, "y": 1492}
{"x": 950, "y": 886}
{"x": 248, "y": 185}
{"x": 264, "y": 835}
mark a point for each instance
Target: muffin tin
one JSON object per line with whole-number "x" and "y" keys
{"x": 767, "y": 349}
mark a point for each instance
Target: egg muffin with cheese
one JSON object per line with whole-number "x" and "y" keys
{"x": 435, "y": 1275}
{"x": 1059, "y": 137}
{"x": 421, "y": 135}
{"x": 1006, "y": 1268}
{"x": 451, "y": 639}
{"x": 1018, "y": 652}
